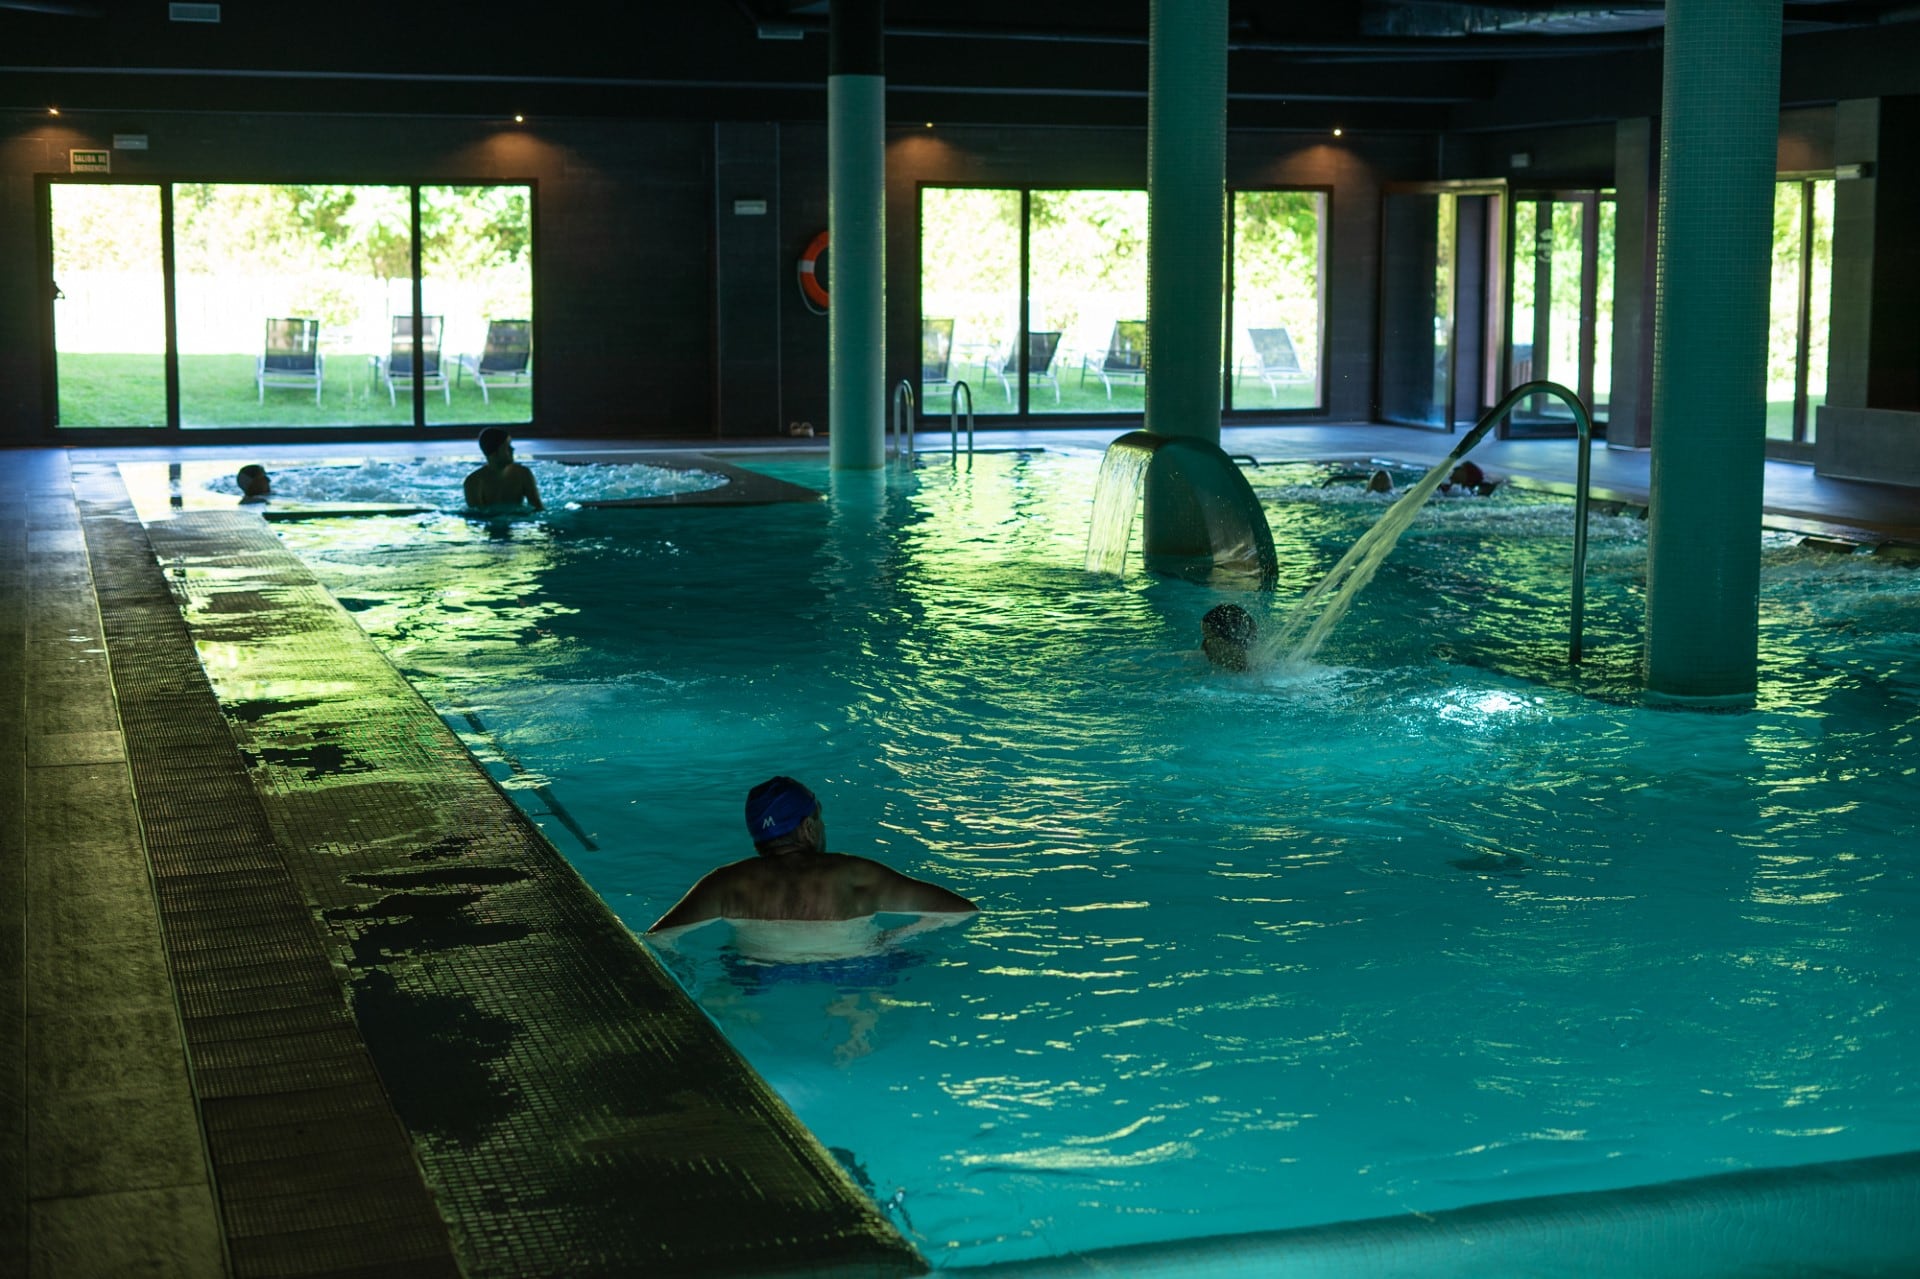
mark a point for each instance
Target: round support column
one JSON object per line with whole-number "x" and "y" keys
{"x": 1718, "y": 132}
{"x": 856, "y": 226}
{"x": 1186, "y": 214}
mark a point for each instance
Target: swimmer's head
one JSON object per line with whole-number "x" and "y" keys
{"x": 1226, "y": 632}
{"x": 782, "y": 816}
{"x": 1467, "y": 475}
{"x": 493, "y": 439}
{"x": 1379, "y": 482}
{"x": 253, "y": 480}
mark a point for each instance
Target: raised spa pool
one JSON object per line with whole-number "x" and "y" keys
{"x": 1436, "y": 921}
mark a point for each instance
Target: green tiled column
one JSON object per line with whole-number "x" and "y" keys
{"x": 857, "y": 223}
{"x": 1718, "y": 131}
{"x": 1186, "y": 193}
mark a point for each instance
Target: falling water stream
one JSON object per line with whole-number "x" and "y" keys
{"x": 1313, "y": 618}
{"x": 1116, "y": 496}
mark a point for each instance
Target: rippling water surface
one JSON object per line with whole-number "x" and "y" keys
{"x": 1434, "y": 922}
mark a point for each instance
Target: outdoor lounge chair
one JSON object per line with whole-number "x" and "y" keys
{"x": 1126, "y": 357}
{"x": 936, "y": 356}
{"x": 1275, "y": 362}
{"x": 398, "y": 366}
{"x": 292, "y": 357}
{"x": 507, "y": 358}
{"x": 1042, "y": 350}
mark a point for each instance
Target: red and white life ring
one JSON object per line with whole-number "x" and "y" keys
{"x": 812, "y": 291}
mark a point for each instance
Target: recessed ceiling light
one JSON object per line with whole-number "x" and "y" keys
{"x": 929, "y": 124}
{"x": 53, "y": 110}
{"x": 519, "y": 119}
{"x": 1339, "y": 132}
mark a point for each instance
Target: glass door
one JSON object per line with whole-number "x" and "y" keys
{"x": 1439, "y": 314}
{"x": 1416, "y": 311}
{"x": 109, "y": 305}
{"x": 1802, "y": 299}
{"x": 1562, "y": 323}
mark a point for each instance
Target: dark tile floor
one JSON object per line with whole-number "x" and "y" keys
{"x": 132, "y": 1112}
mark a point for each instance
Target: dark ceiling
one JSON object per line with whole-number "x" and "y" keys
{"x": 1384, "y": 64}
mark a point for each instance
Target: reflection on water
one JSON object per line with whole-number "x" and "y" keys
{"x": 1437, "y": 921}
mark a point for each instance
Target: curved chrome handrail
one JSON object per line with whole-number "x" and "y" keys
{"x": 1583, "y": 476}
{"x": 897, "y": 430}
{"x": 953, "y": 422}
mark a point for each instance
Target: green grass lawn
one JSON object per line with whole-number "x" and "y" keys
{"x": 1250, "y": 393}
{"x": 1780, "y": 419}
{"x": 218, "y": 390}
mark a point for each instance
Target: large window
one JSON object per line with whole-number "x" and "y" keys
{"x": 282, "y": 295}
{"x": 1069, "y": 335}
{"x": 293, "y": 304}
{"x": 109, "y": 309}
{"x": 1276, "y": 303}
{"x": 1801, "y": 305}
{"x": 969, "y": 296}
{"x": 476, "y": 269}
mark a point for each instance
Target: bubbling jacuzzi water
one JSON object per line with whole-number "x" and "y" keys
{"x": 1438, "y": 921}
{"x": 437, "y": 481}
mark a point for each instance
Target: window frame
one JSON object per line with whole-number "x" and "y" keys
{"x": 172, "y": 432}
{"x": 1022, "y": 409}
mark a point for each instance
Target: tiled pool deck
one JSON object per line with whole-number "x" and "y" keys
{"x": 288, "y": 987}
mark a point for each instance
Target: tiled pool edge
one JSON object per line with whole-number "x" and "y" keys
{"x": 1845, "y": 1218}
{"x": 573, "y": 1111}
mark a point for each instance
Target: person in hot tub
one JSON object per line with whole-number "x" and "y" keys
{"x": 792, "y": 876}
{"x": 256, "y": 486}
{"x": 502, "y": 481}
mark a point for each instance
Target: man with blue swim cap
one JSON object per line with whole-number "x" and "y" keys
{"x": 793, "y": 876}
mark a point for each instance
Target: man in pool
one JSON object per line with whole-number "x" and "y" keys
{"x": 1226, "y": 636}
{"x": 502, "y": 482}
{"x": 256, "y": 486}
{"x": 794, "y": 877}
{"x": 1469, "y": 479}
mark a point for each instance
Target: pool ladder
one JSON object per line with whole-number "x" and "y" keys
{"x": 900, "y": 424}
{"x": 1582, "y": 484}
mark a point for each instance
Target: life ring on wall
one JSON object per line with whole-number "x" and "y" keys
{"x": 812, "y": 292}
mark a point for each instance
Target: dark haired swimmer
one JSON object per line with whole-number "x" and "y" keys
{"x": 502, "y": 481}
{"x": 794, "y": 877}
{"x": 256, "y": 486}
{"x": 1226, "y": 636}
{"x": 1468, "y": 478}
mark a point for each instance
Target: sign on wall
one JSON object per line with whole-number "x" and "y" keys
{"x": 90, "y": 162}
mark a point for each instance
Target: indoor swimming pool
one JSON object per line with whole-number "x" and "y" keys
{"x": 1434, "y": 921}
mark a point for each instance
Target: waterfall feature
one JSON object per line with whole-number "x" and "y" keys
{"x": 1116, "y": 496}
{"x": 1201, "y": 517}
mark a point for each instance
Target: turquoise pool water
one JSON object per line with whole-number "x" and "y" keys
{"x": 1434, "y": 922}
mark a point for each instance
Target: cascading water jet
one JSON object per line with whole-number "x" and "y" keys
{"x": 1201, "y": 519}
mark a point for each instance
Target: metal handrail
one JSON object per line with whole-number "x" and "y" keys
{"x": 897, "y": 428}
{"x": 1583, "y": 476}
{"x": 953, "y": 421}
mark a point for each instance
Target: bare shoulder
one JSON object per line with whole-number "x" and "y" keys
{"x": 893, "y": 890}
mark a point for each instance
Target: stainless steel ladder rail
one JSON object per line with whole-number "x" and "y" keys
{"x": 900, "y": 432}
{"x": 953, "y": 422}
{"x": 1583, "y": 477}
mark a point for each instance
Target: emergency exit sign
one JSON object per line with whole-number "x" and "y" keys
{"x": 90, "y": 162}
